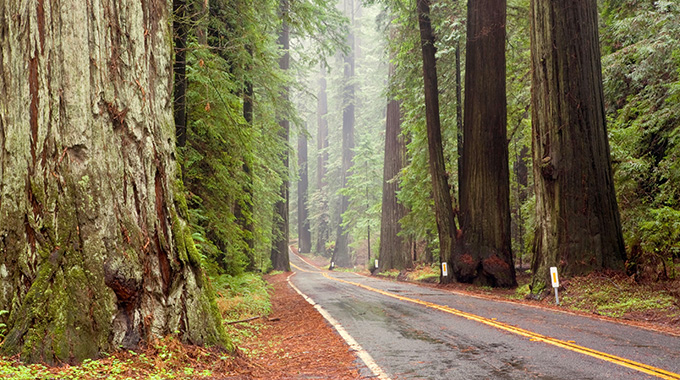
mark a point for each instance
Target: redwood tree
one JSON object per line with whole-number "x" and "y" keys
{"x": 322, "y": 159}
{"x": 578, "y": 228}
{"x": 304, "y": 235}
{"x": 279, "y": 253}
{"x": 394, "y": 248}
{"x": 341, "y": 255}
{"x": 94, "y": 250}
{"x": 446, "y": 224}
{"x": 486, "y": 255}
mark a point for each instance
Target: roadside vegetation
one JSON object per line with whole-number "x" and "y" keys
{"x": 238, "y": 298}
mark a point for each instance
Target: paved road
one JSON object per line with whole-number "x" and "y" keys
{"x": 414, "y": 332}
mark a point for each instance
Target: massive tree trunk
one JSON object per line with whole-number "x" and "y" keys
{"x": 305, "y": 236}
{"x": 486, "y": 256}
{"x": 394, "y": 249}
{"x": 341, "y": 256}
{"x": 94, "y": 251}
{"x": 321, "y": 160}
{"x": 578, "y": 228}
{"x": 446, "y": 224}
{"x": 279, "y": 253}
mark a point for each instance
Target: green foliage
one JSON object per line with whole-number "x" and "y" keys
{"x": 213, "y": 160}
{"x": 641, "y": 83}
{"x": 242, "y": 296}
{"x": 613, "y": 296}
{"x": 364, "y": 190}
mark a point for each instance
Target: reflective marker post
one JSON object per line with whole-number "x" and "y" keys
{"x": 555, "y": 283}
{"x": 445, "y": 270}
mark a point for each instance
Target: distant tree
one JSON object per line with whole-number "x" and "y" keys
{"x": 95, "y": 253}
{"x": 279, "y": 254}
{"x": 446, "y": 224}
{"x": 341, "y": 255}
{"x": 322, "y": 160}
{"x": 486, "y": 254}
{"x": 394, "y": 248}
{"x": 304, "y": 235}
{"x": 578, "y": 228}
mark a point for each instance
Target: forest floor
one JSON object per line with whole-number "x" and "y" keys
{"x": 292, "y": 342}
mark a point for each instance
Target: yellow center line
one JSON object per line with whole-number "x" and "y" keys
{"x": 641, "y": 367}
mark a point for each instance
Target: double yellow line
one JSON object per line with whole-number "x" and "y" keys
{"x": 641, "y": 367}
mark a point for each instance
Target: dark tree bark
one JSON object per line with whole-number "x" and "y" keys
{"x": 446, "y": 224}
{"x": 394, "y": 249}
{"x": 94, "y": 251}
{"x": 459, "y": 111}
{"x": 322, "y": 158}
{"x": 305, "y": 236}
{"x": 578, "y": 227}
{"x": 486, "y": 256}
{"x": 341, "y": 255}
{"x": 244, "y": 212}
{"x": 280, "y": 234}
{"x": 181, "y": 30}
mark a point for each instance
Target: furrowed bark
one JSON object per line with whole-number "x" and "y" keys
{"x": 394, "y": 249}
{"x": 446, "y": 224}
{"x": 486, "y": 256}
{"x": 578, "y": 225}
{"x": 94, "y": 250}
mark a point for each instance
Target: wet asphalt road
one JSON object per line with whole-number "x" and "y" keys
{"x": 412, "y": 341}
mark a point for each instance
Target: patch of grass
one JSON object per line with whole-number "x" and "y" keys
{"x": 241, "y": 297}
{"x": 521, "y": 292}
{"x": 424, "y": 272}
{"x": 613, "y": 296}
{"x": 391, "y": 273}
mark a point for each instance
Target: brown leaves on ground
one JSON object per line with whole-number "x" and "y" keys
{"x": 296, "y": 342}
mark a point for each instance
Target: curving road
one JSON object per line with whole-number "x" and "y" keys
{"x": 414, "y": 332}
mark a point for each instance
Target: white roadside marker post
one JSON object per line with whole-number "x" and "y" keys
{"x": 445, "y": 270}
{"x": 376, "y": 263}
{"x": 555, "y": 283}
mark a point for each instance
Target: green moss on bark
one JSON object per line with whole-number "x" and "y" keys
{"x": 65, "y": 316}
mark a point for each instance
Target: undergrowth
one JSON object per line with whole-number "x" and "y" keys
{"x": 616, "y": 296}
{"x": 424, "y": 272}
{"x": 239, "y": 297}
{"x": 163, "y": 359}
